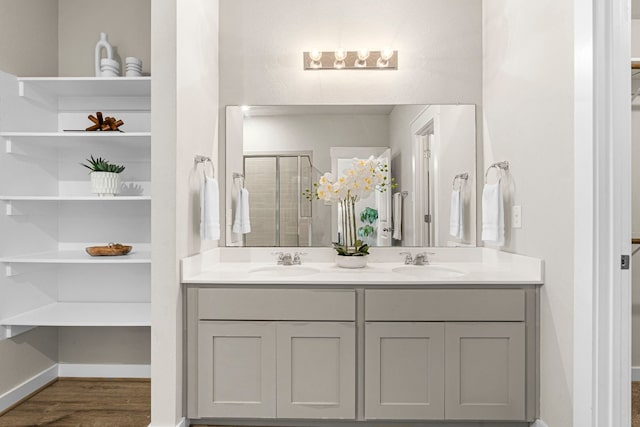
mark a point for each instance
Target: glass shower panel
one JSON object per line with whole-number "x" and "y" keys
{"x": 260, "y": 179}
{"x": 306, "y": 182}
{"x": 289, "y": 201}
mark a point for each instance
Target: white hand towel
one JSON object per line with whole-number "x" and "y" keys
{"x": 493, "y": 214}
{"x": 456, "y": 217}
{"x": 209, "y": 210}
{"x": 397, "y": 216}
{"x": 242, "y": 223}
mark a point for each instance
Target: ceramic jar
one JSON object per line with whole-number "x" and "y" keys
{"x": 105, "y": 184}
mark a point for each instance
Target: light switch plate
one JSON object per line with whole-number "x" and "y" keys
{"x": 516, "y": 216}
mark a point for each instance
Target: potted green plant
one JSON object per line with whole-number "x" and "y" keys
{"x": 363, "y": 177}
{"x": 105, "y": 176}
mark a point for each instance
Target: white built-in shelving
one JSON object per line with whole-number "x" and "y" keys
{"x": 85, "y": 314}
{"x": 119, "y": 199}
{"x": 49, "y": 210}
{"x": 77, "y": 257}
{"x": 85, "y": 86}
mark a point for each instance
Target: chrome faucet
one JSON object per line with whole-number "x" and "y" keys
{"x": 408, "y": 259}
{"x": 284, "y": 258}
{"x": 296, "y": 258}
{"x": 420, "y": 258}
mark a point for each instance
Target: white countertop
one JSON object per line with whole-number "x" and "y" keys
{"x": 462, "y": 266}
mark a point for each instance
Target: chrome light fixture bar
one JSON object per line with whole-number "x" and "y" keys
{"x": 340, "y": 59}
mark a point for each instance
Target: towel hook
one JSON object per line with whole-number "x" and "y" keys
{"x": 501, "y": 166}
{"x": 199, "y": 159}
{"x": 240, "y": 176}
{"x": 461, "y": 176}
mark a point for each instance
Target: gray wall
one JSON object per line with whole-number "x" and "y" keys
{"x": 27, "y": 355}
{"x": 127, "y": 22}
{"x": 528, "y": 120}
{"x": 29, "y": 37}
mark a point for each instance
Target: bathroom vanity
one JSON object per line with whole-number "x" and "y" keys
{"x": 453, "y": 340}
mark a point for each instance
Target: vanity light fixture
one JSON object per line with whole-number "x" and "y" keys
{"x": 340, "y": 56}
{"x": 341, "y": 59}
{"x": 361, "y": 62}
{"x": 315, "y": 56}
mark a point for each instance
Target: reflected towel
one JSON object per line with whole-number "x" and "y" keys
{"x": 397, "y": 216}
{"x": 456, "y": 217}
{"x": 209, "y": 209}
{"x": 241, "y": 222}
{"x": 493, "y": 214}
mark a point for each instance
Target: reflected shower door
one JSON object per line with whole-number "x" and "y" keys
{"x": 280, "y": 215}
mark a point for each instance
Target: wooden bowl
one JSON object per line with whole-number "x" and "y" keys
{"x": 112, "y": 249}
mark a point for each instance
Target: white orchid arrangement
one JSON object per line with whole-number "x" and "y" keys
{"x": 356, "y": 182}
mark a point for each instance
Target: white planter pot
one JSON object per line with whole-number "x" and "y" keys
{"x": 351, "y": 261}
{"x": 105, "y": 184}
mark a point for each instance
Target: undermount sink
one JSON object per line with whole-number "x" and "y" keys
{"x": 283, "y": 270}
{"x": 429, "y": 271}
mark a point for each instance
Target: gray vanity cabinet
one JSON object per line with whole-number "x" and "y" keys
{"x": 237, "y": 369}
{"x": 404, "y": 375}
{"x": 465, "y": 354}
{"x": 272, "y": 353}
{"x": 485, "y": 371}
{"x": 316, "y": 370}
{"x": 454, "y": 354}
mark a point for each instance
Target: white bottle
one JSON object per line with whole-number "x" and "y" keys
{"x": 103, "y": 43}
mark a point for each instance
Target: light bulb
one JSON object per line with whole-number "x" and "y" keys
{"x": 363, "y": 54}
{"x": 386, "y": 53}
{"x": 341, "y": 54}
{"x": 315, "y": 55}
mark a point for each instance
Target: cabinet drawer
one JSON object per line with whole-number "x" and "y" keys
{"x": 445, "y": 305}
{"x": 276, "y": 304}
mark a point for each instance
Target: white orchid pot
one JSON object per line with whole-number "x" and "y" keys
{"x": 351, "y": 261}
{"x": 105, "y": 184}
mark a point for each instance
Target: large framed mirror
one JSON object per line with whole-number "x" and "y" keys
{"x": 275, "y": 155}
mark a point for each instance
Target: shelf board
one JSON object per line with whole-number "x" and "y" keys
{"x": 635, "y": 68}
{"x": 79, "y": 257}
{"x": 76, "y": 135}
{"x": 85, "y": 314}
{"x": 76, "y": 198}
{"x": 75, "y": 139}
{"x": 89, "y": 86}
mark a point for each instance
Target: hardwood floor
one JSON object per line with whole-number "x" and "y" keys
{"x": 81, "y": 402}
{"x": 635, "y": 404}
{"x": 115, "y": 403}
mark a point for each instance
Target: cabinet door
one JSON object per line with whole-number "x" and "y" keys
{"x": 237, "y": 369}
{"x": 316, "y": 370}
{"x": 485, "y": 371}
{"x": 404, "y": 370}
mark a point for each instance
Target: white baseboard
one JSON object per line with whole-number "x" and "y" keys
{"x": 539, "y": 423}
{"x": 635, "y": 373}
{"x": 82, "y": 370}
{"x": 23, "y": 390}
{"x": 184, "y": 422}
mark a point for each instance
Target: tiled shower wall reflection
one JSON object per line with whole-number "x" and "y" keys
{"x": 280, "y": 215}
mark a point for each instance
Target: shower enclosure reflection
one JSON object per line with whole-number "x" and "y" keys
{"x": 280, "y": 215}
